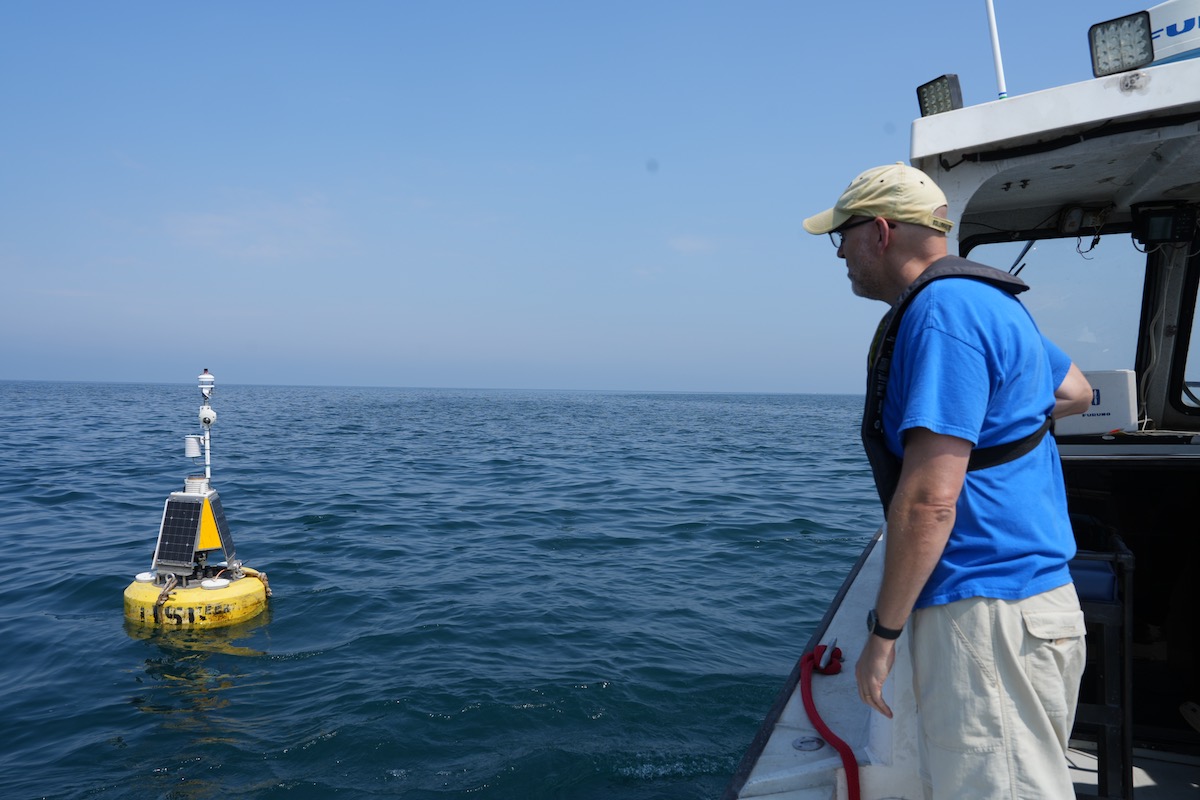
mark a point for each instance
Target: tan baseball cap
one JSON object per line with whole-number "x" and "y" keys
{"x": 897, "y": 192}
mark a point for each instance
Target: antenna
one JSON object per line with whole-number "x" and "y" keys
{"x": 1000, "y": 86}
{"x": 1017, "y": 266}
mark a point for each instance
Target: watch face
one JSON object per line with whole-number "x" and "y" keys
{"x": 871, "y": 620}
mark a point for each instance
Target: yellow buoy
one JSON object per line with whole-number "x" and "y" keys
{"x": 183, "y": 589}
{"x": 211, "y": 603}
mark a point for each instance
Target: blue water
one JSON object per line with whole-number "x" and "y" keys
{"x": 483, "y": 594}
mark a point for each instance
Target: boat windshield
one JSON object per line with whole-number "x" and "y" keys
{"x": 1086, "y": 302}
{"x": 1191, "y": 375}
{"x": 1087, "y": 299}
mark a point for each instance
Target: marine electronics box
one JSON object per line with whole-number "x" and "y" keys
{"x": 1114, "y": 406}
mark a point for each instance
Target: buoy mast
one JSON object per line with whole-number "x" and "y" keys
{"x": 207, "y": 418}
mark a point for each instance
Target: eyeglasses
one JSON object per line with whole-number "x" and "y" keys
{"x": 836, "y": 236}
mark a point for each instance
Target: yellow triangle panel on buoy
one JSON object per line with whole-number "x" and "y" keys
{"x": 214, "y": 529}
{"x": 210, "y": 537}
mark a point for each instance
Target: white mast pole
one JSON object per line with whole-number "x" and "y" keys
{"x": 991, "y": 12}
{"x": 207, "y": 418}
{"x": 207, "y": 459}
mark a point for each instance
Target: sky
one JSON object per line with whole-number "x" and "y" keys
{"x": 465, "y": 194}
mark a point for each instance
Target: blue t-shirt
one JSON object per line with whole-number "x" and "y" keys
{"x": 970, "y": 362}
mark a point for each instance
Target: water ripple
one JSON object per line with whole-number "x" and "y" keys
{"x": 493, "y": 594}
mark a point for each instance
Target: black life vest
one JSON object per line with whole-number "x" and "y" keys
{"x": 884, "y": 464}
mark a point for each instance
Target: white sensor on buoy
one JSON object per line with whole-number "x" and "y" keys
{"x": 193, "y": 446}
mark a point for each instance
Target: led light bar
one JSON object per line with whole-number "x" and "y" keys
{"x": 1121, "y": 45}
{"x": 940, "y": 94}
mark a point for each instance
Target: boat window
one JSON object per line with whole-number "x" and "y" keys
{"x": 1191, "y": 371}
{"x": 1088, "y": 303}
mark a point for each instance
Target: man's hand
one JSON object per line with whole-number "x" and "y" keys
{"x": 873, "y": 667}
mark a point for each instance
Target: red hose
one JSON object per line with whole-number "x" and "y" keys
{"x": 849, "y": 762}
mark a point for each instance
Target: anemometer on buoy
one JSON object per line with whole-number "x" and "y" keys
{"x": 195, "y": 578}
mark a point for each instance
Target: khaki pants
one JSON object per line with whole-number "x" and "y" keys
{"x": 997, "y": 683}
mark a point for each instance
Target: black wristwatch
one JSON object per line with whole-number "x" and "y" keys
{"x": 874, "y": 627}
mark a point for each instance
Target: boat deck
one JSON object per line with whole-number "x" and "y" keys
{"x": 1156, "y": 776}
{"x": 886, "y": 750}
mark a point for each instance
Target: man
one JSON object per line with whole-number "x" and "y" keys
{"x": 961, "y": 392}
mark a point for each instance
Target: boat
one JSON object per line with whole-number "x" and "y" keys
{"x": 1113, "y": 159}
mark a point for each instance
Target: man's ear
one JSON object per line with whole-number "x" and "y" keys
{"x": 886, "y": 232}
